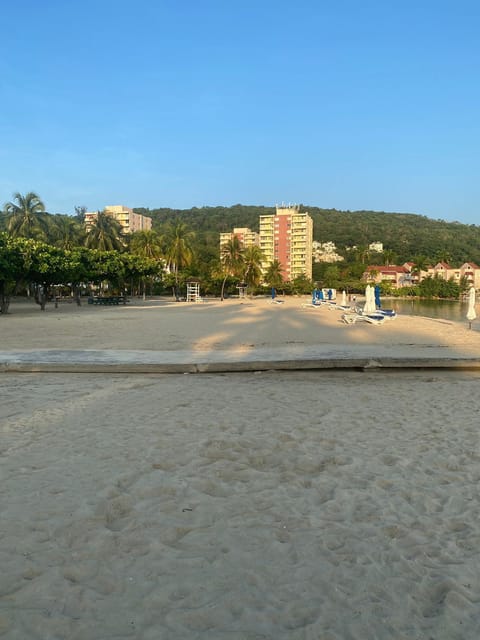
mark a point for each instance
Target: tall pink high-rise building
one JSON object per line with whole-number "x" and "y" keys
{"x": 287, "y": 237}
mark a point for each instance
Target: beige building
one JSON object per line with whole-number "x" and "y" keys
{"x": 468, "y": 270}
{"x": 246, "y": 237}
{"x": 129, "y": 221}
{"x": 287, "y": 236}
{"x": 406, "y": 275}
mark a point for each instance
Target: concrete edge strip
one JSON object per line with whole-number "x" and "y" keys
{"x": 354, "y": 364}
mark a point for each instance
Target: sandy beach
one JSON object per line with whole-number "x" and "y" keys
{"x": 273, "y": 505}
{"x": 236, "y": 325}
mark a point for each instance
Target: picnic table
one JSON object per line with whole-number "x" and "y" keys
{"x": 107, "y": 300}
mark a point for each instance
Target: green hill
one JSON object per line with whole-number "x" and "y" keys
{"x": 407, "y": 235}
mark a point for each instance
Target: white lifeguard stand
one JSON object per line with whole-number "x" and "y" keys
{"x": 242, "y": 287}
{"x": 193, "y": 291}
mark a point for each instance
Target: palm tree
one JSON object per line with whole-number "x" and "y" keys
{"x": 26, "y": 216}
{"x": 421, "y": 264}
{"x": 178, "y": 248}
{"x": 253, "y": 257}
{"x": 389, "y": 256}
{"x": 274, "y": 274}
{"x": 65, "y": 232}
{"x": 147, "y": 244}
{"x": 105, "y": 234}
{"x": 231, "y": 256}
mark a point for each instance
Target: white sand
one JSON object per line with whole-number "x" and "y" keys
{"x": 313, "y": 506}
{"x": 233, "y": 324}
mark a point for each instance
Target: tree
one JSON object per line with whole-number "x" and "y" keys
{"x": 105, "y": 234}
{"x": 389, "y": 257}
{"x": 274, "y": 274}
{"x": 26, "y": 216}
{"x": 80, "y": 212}
{"x": 443, "y": 256}
{"x": 137, "y": 268}
{"x": 44, "y": 265}
{"x": 253, "y": 257}
{"x": 148, "y": 245}
{"x": 332, "y": 276}
{"x": 65, "y": 232}
{"x": 178, "y": 249}
{"x": 421, "y": 264}
{"x": 11, "y": 269}
{"x": 232, "y": 260}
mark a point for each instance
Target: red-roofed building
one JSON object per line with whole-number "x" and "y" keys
{"x": 398, "y": 276}
{"x": 468, "y": 270}
{"x": 406, "y": 275}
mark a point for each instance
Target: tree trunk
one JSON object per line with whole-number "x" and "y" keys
{"x": 4, "y": 299}
{"x": 76, "y": 295}
{"x": 223, "y": 288}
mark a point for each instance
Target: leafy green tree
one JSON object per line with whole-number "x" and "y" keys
{"x": 26, "y": 216}
{"x": 106, "y": 268}
{"x": 232, "y": 261}
{"x": 332, "y": 276}
{"x": 44, "y": 265}
{"x": 11, "y": 269}
{"x": 137, "y": 269}
{"x": 438, "y": 287}
{"x": 443, "y": 256}
{"x": 105, "y": 234}
{"x": 301, "y": 285}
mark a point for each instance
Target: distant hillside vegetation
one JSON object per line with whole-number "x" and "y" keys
{"x": 407, "y": 235}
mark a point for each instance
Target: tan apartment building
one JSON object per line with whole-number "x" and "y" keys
{"x": 128, "y": 220}
{"x": 246, "y": 237}
{"x": 406, "y": 275}
{"x": 468, "y": 270}
{"x": 287, "y": 236}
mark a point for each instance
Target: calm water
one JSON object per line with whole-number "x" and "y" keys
{"x": 446, "y": 310}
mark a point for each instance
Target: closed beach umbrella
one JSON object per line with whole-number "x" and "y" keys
{"x": 344, "y": 299}
{"x": 471, "y": 315}
{"x": 369, "y": 306}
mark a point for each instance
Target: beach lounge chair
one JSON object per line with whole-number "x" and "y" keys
{"x": 371, "y": 318}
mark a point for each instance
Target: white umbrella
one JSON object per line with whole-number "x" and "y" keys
{"x": 369, "y": 306}
{"x": 471, "y": 315}
{"x": 344, "y": 299}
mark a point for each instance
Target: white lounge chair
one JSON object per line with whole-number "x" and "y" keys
{"x": 372, "y": 318}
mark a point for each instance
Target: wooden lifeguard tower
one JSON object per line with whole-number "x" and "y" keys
{"x": 193, "y": 290}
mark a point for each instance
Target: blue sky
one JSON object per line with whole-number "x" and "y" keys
{"x": 160, "y": 103}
